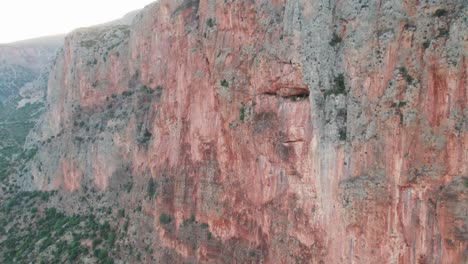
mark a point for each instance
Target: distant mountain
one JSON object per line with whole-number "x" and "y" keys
{"x": 127, "y": 19}
{"x": 22, "y": 62}
{"x": 24, "y": 71}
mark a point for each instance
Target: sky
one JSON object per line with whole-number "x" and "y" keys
{"x": 26, "y": 19}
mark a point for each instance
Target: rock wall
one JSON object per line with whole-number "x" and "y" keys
{"x": 299, "y": 131}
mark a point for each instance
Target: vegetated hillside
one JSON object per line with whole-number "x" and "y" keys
{"x": 24, "y": 70}
{"x": 22, "y": 62}
{"x": 252, "y": 132}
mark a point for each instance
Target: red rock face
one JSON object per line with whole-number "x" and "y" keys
{"x": 241, "y": 135}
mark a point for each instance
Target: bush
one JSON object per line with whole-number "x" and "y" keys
{"x": 145, "y": 138}
{"x": 100, "y": 254}
{"x": 406, "y": 75}
{"x": 146, "y": 89}
{"x": 210, "y": 22}
{"x": 165, "y": 218}
{"x": 152, "y": 188}
{"x": 339, "y": 83}
{"x": 121, "y": 213}
{"x": 427, "y": 44}
{"x": 443, "y": 32}
{"x": 335, "y": 40}
{"x": 224, "y": 83}
{"x": 125, "y": 227}
{"x": 111, "y": 238}
{"x": 127, "y": 93}
{"x": 342, "y": 134}
{"x": 96, "y": 242}
{"x": 339, "y": 86}
{"x": 399, "y": 104}
{"x": 440, "y": 12}
{"x": 242, "y": 113}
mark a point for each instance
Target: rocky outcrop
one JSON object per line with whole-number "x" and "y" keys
{"x": 298, "y": 131}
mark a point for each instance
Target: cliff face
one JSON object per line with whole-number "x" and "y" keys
{"x": 296, "y": 131}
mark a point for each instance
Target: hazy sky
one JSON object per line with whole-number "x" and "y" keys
{"x": 25, "y": 19}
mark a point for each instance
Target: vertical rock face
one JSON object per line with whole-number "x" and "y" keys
{"x": 299, "y": 131}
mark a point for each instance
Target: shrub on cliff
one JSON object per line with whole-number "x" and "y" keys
{"x": 127, "y": 93}
{"x": 145, "y": 138}
{"x": 164, "y": 218}
{"x": 210, "y": 22}
{"x": 242, "y": 113}
{"x": 406, "y": 75}
{"x": 339, "y": 86}
{"x": 440, "y": 12}
{"x": 335, "y": 40}
{"x": 146, "y": 89}
{"x": 225, "y": 83}
{"x": 152, "y": 188}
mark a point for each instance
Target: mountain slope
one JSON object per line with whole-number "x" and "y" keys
{"x": 24, "y": 69}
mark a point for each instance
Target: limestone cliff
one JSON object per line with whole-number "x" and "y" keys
{"x": 295, "y": 131}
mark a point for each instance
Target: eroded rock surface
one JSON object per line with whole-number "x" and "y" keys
{"x": 297, "y": 131}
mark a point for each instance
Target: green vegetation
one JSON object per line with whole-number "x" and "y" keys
{"x": 145, "y": 138}
{"x": 399, "y": 104}
{"x": 443, "y": 32}
{"x": 146, "y": 89}
{"x": 440, "y": 12}
{"x": 242, "y": 113}
{"x": 127, "y": 93}
{"x": 342, "y": 133}
{"x": 128, "y": 186}
{"x": 152, "y": 188}
{"x": 15, "y": 124}
{"x": 209, "y": 22}
{"x": 225, "y": 83}
{"x": 189, "y": 221}
{"x": 426, "y": 44}
{"x": 12, "y": 78}
{"x": 46, "y": 235}
{"x": 165, "y": 218}
{"x": 192, "y": 218}
{"x": 338, "y": 88}
{"x": 409, "y": 26}
{"x": 121, "y": 213}
{"x": 335, "y": 40}
{"x": 406, "y": 75}
{"x": 382, "y": 32}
